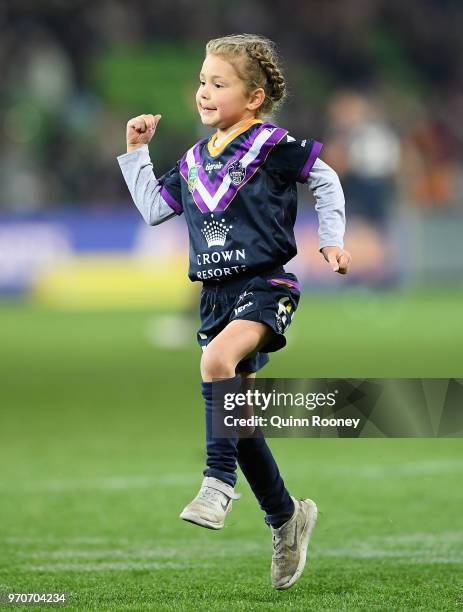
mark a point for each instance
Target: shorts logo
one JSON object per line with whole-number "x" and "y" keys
{"x": 193, "y": 178}
{"x": 203, "y": 338}
{"x": 236, "y": 172}
{"x": 283, "y": 316}
{"x": 243, "y": 295}
{"x": 241, "y": 308}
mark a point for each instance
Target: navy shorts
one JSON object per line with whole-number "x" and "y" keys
{"x": 269, "y": 297}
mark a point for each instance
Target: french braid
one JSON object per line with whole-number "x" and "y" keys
{"x": 256, "y": 61}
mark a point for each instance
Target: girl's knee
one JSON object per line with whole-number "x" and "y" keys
{"x": 216, "y": 365}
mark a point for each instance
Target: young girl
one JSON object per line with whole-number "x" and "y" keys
{"x": 237, "y": 190}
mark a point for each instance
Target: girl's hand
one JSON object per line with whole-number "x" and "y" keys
{"x": 338, "y": 258}
{"x": 140, "y": 130}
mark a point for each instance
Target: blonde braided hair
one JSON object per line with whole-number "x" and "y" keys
{"x": 256, "y": 62}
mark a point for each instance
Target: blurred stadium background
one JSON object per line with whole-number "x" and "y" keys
{"x": 101, "y": 419}
{"x": 378, "y": 82}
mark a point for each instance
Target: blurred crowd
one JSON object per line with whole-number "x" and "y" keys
{"x": 379, "y": 82}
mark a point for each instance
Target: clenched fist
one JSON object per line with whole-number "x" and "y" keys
{"x": 340, "y": 259}
{"x": 140, "y": 130}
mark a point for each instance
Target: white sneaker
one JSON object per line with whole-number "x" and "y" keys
{"x": 212, "y": 504}
{"x": 290, "y": 542}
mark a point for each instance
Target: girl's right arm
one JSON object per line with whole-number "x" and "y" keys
{"x": 137, "y": 169}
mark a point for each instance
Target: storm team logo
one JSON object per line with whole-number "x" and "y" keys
{"x": 236, "y": 172}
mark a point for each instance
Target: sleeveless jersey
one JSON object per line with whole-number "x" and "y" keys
{"x": 240, "y": 204}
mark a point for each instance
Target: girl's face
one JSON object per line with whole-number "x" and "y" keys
{"x": 221, "y": 97}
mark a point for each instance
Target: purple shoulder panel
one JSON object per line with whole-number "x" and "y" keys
{"x": 307, "y": 167}
{"x": 170, "y": 200}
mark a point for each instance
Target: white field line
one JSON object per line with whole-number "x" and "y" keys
{"x": 402, "y": 557}
{"x": 54, "y": 541}
{"x": 422, "y": 468}
{"x": 138, "y": 556}
{"x": 125, "y": 554}
{"x": 148, "y": 550}
{"x": 123, "y": 483}
{"x": 113, "y": 566}
{"x": 430, "y": 539}
{"x": 410, "y": 556}
{"x": 381, "y": 470}
{"x": 432, "y": 549}
{"x": 435, "y": 552}
{"x": 110, "y": 483}
{"x": 101, "y": 554}
{"x": 118, "y": 547}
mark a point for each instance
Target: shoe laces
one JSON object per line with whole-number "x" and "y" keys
{"x": 278, "y": 546}
{"x": 281, "y": 537}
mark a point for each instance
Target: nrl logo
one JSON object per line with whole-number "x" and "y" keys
{"x": 193, "y": 178}
{"x": 236, "y": 172}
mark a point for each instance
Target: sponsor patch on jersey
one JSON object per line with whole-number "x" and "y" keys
{"x": 193, "y": 177}
{"x": 213, "y": 166}
{"x": 236, "y": 172}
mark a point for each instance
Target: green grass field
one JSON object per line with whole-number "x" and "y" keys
{"x": 101, "y": 446}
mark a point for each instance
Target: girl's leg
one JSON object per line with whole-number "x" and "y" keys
{"x": 236, "y": 341}
{"x": 261, "y": 471}
{"x": 239, "y": 339}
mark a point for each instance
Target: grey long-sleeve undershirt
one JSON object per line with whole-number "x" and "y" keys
{"x": 323, "y": 181}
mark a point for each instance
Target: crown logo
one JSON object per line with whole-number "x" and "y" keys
{"x": 215, "y": 233}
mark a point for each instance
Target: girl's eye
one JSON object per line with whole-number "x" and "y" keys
{"x": 202, "y": 82}
{"x": 218, "y": 85}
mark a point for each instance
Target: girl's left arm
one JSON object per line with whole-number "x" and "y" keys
{"x": 326, "y": 187}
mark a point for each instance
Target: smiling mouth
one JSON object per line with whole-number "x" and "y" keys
{"x": 204, "y": 108}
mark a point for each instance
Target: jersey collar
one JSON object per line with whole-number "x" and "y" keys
{"x": 213, "y": 150}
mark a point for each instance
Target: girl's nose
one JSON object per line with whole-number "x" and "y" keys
{"x": 204, "y": 91}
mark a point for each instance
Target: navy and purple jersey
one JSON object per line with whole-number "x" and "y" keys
{"x": 240, "y": 203}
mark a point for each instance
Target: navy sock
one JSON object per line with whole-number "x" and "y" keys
{"x": 261, "y": 471}
{"x": 221, "y": 452}
{"x": 254, "y": 456}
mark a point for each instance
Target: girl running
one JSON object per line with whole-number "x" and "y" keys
{"x": 237, "y": 190}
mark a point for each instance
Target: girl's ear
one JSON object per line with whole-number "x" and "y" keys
{"x": 256, "y": 99}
